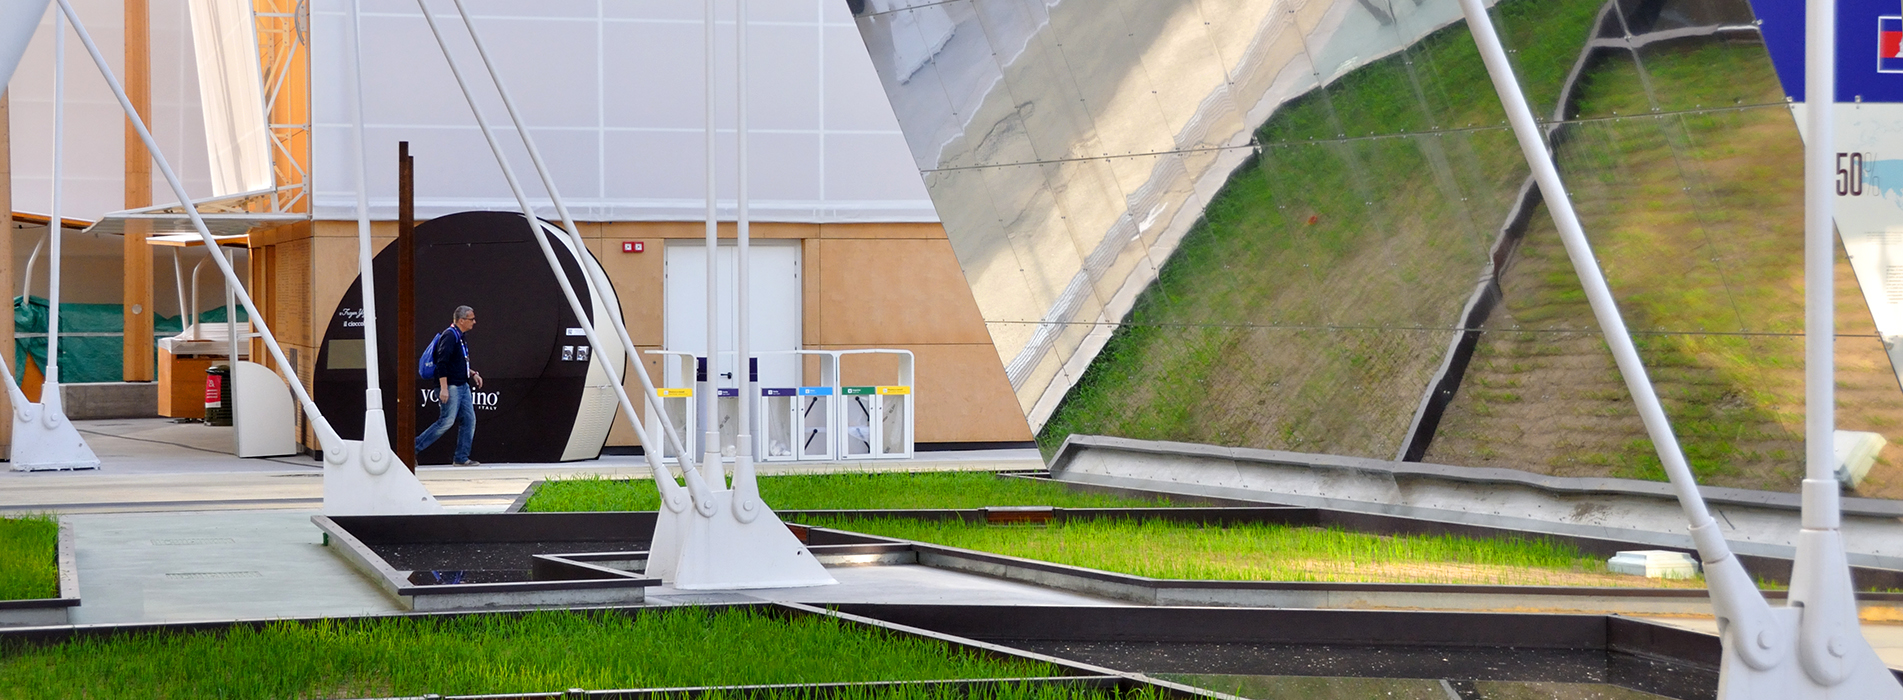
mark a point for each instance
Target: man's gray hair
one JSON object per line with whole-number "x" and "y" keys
{"x": 461, "y": 313}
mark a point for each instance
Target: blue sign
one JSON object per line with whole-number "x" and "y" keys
{"x": 776, "y": 391}
{"x": 728, "y": 391}
{"x": 816, "y": 391}
{"x": 1869, "y": 58}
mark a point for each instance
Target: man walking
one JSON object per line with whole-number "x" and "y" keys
{"x": 453, "y": 377}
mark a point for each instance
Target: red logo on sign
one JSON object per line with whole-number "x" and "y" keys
{"x": 632, "y": 246}
{"x": 1890, "y": 44}
{"x": 213, "y": 389}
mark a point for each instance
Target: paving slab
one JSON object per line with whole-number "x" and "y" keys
{"x": 175, "y": 567}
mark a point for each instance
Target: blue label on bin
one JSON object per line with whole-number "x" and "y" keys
{"x": 726, "y": 392}
{"x": 816, "y": 391}
{"x": 776, "y": 391}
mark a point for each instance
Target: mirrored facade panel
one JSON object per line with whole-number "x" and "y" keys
{"x": 1305, "y": 225}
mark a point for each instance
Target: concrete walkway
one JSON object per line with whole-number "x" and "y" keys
{"x": 174, "y": 528}
{"x": 154, "y": 465}
{"x": 183, "y": 567}
{"x": 173, "y": 567}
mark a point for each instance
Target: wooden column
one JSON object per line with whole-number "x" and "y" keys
{"x": 138, "y": 190}
{"x": 403, "y": 379}
{"x": 6, "y": 265}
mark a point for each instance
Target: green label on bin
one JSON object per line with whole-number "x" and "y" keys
{"x": 860, "y": 390}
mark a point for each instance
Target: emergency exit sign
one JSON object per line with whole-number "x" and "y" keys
{"x": 633, "y": 246}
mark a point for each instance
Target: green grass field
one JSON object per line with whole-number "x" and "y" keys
{"x": 854, "y": 491}
{"x": 1324, "y": 269}
{"x": 537, "y": 652}
{"x": 1165, "y": 550}
{"x": 29, "y": 557}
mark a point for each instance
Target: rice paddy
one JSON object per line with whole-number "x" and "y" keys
{"x": 535, "y": 652}
{"x": 29, "y": 557}
{"x": 1263, "y": 552}
{"x": 854, "y": 491}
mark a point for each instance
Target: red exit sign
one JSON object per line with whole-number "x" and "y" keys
{"x": 633, "y": 246}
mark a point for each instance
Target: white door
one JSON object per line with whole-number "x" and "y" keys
{"x": 776, "y": 306}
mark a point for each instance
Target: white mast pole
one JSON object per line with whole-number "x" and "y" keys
{"x": 746, "y": 497}
{"x": 55, "y": 226}
{"x": 373, "y": 396}
{"x": 709, "y": 402}
{"x": 1836, "y": 658}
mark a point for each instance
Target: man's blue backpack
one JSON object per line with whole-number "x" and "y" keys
{"x": 426, "y": 365}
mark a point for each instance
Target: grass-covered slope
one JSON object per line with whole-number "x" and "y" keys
{"x": 1695, "y": 212}
{"x": 1308, "y": 309}
{"x": 29, "y": 557}
{"x": 536, "y": 652}
{"x": 854, "y": 491}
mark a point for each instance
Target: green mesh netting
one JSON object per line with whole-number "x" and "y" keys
{"x": 83, "y": 356}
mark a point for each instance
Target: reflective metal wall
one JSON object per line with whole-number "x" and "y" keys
{"x": 1304, "y": 225}
{"x": 1069, "y": 146}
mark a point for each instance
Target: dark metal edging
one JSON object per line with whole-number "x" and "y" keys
{"x": 1567, "y": 485}
{"x": 810, "y": 691}
{"x": 522, "y": 500}
{"x": 397, "y": 584}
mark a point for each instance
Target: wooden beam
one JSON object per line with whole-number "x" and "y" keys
{"x": 403, "y": 379}
{"x": 138, "y": 366}
{"x": 6, "y": 263}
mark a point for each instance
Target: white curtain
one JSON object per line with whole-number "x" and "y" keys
{"x": 231, "y": 90}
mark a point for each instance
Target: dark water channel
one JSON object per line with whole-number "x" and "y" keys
{"x": 1339, "y": 688}
{"x": 448, "y": 563}
{"x": 1328, "y": 672}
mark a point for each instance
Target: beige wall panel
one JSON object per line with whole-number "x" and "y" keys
{"x": 622, "y": 433}
{"x": 961, "y": 391}
{"x": 292, "y": 325}
{"x": 895, "y": 292}
{"x": 888, "y": 231}
{"x": 812, "y": 312}
{"x": 638, "y": 281}
{"x": 334, "y": 269}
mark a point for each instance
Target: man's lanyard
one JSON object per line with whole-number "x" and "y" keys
{"x": 465, "y": 346}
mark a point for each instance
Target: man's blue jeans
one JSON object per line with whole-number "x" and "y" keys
{"x": 459, "y": 408}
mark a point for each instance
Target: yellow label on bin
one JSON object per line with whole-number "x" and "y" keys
{"x": 674, "y": 393}
{"x": 894, "y": 390}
